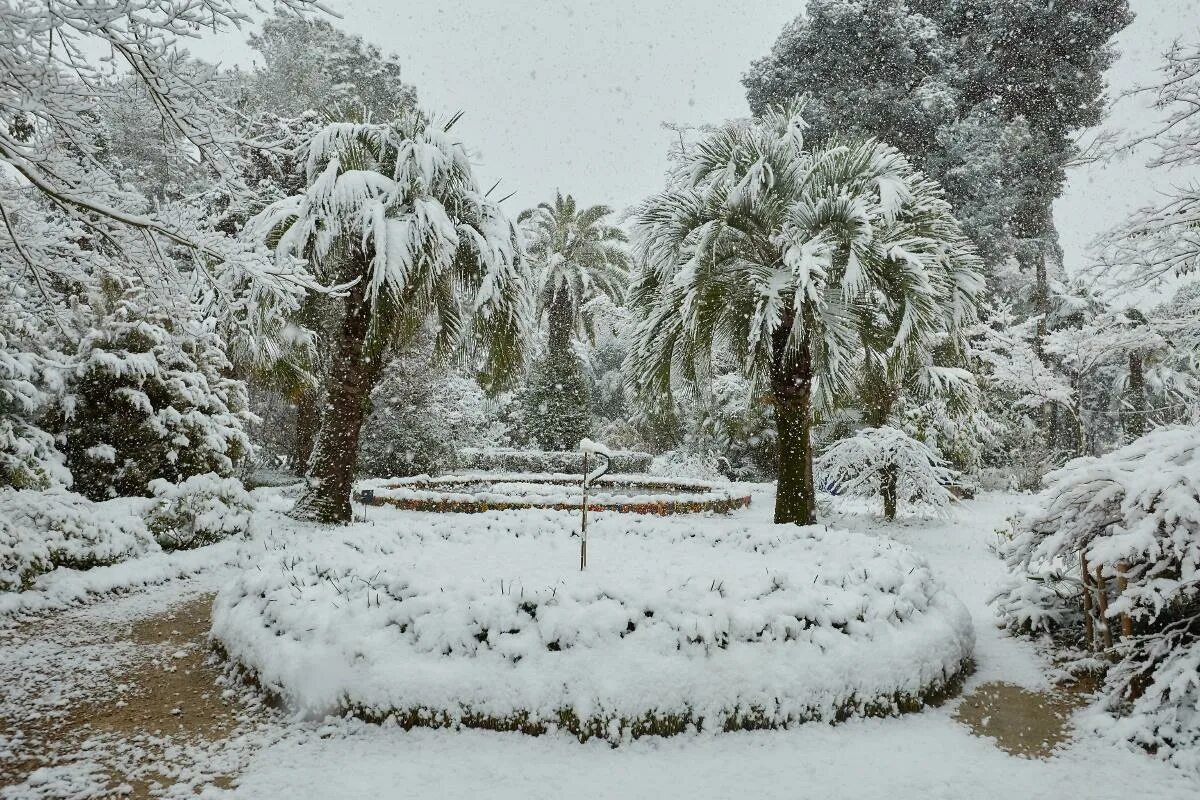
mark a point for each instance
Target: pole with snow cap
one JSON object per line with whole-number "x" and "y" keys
{"x": 588, "y": 447}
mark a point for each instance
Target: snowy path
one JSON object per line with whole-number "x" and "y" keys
{"x": 927, "y": 755}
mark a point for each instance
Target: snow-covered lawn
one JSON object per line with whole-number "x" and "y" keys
{"x": 923, "y": 755}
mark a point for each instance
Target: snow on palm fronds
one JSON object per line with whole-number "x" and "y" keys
{"x": 396, "y": 206}
{"x": 576, "y": 256}
{"x": 756, "y": 234}
{"x": 861, "y": 464}
{"x": 1137, "y": 509}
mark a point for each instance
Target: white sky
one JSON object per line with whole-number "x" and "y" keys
{"x": 573, "y": 94}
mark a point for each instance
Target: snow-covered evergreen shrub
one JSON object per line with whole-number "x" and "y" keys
{"x": 876, "y": 461}
{"x": 202, "y": 510}
{"x": 43, "y": 530}
{"x": 687, "y": 464}
{"x": 421, "y": 416}
{"x": 557, "y": 411}
{"x": 149, "y": 397}
{"x": 29, "y": 458}
{"x": 1138, "y": 508}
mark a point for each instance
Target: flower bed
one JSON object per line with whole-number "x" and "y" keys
{"x": 632, "y": 494}
{"x": 491, "y": 625}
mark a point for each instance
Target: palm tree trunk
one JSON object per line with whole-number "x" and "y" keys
{"x": 879, "y": 401}
{"x": 791, "y": 384}
{"x": 308, "y": 420}
{"x": 352, "y": 375}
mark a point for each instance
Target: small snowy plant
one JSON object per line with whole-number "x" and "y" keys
{"x": 874, "y": 460}
{"x": 43, "y": 530}
{"x": 1110, "y": 557}
{"x": 204, "y": 509}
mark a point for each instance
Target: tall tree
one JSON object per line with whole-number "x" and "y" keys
{"x": 792, "y": 258}
{"x": 984, "y": 96}
{"x": 577, "y": 258}
{"x": 393, "y": 214}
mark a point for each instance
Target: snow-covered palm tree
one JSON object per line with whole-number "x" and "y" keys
{"x": 580, "y": 263}
{"x": 577, "y": 257}
{"x": 392, "y": 213}
{"x": 799, "y": 262}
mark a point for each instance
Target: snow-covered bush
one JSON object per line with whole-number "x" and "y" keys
{"x": 43, "y": 530}
{"x": 29, "y": 458}
{"x": 670, "y": 627}
{"x": 889, "y": 464}
{"x": 201, "y": 510}
{"x": 1133, "y": 516}
{"x": 506, "y": 459}
{"x": 421, "y": 416}
{"x": 148, "y": 396}
{"x": 686, "y": 464}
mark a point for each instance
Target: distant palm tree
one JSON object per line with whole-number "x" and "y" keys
{"x": 393, "y": 214}
{"x": 577, "y": 259}
{"x": 802, "y": 264}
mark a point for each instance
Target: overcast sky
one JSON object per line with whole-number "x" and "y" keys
{"x": 573, "y": 95}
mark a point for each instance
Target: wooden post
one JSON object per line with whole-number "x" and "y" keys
{"x": 1122, "y": 585}
{"x": 583, "y": 527}
{"x": 1089, "y": 630}
{"x": 1102, "y": 601}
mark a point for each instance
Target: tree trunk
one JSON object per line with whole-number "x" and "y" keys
{"x": 791, "y": 384}
{"x": 1135, "y": 416}
{"x": 352, "y": 375}
{"x": 308, "y": 420}
{"x": 879, "y": 401}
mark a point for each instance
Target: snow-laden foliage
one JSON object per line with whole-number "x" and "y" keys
{"x": 201, "y": 510}
{"x": 982, "y": 96}
{"x": 807, "y": 266}
{"x": 29, "y": 458}
{"x": 655, "y": 635}
{"x": 43, "y": 530}
{"x": 397, "y": 206}
{"x": 146, "y": 396}
{"x": 845, "y": 238}
{"x": 1161, "y": 243}
{"x": 393, "y": 214}
{"x": 872, "y": 460}
{"x": 422, "y": 415}
{"x": 1134, "y": 515}
{"x": 64, "y": 205}
{"x": 577, "y": 256}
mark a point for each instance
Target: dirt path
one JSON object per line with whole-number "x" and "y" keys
{"x": 124, "y": 708}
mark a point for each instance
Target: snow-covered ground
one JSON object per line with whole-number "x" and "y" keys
{"x": 926, "y": 755}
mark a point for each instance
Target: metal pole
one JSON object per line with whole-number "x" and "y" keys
{"x": 583, "y": 507}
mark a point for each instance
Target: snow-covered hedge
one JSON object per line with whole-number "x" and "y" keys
{"x": 201, "y": 510}
{"x": 641, "y": 494}
{"x": 502, "y": 459}
{"x": 1134, "y": 517}
{"x": 43, "y": 530}
{"x": 491, "y": 624}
